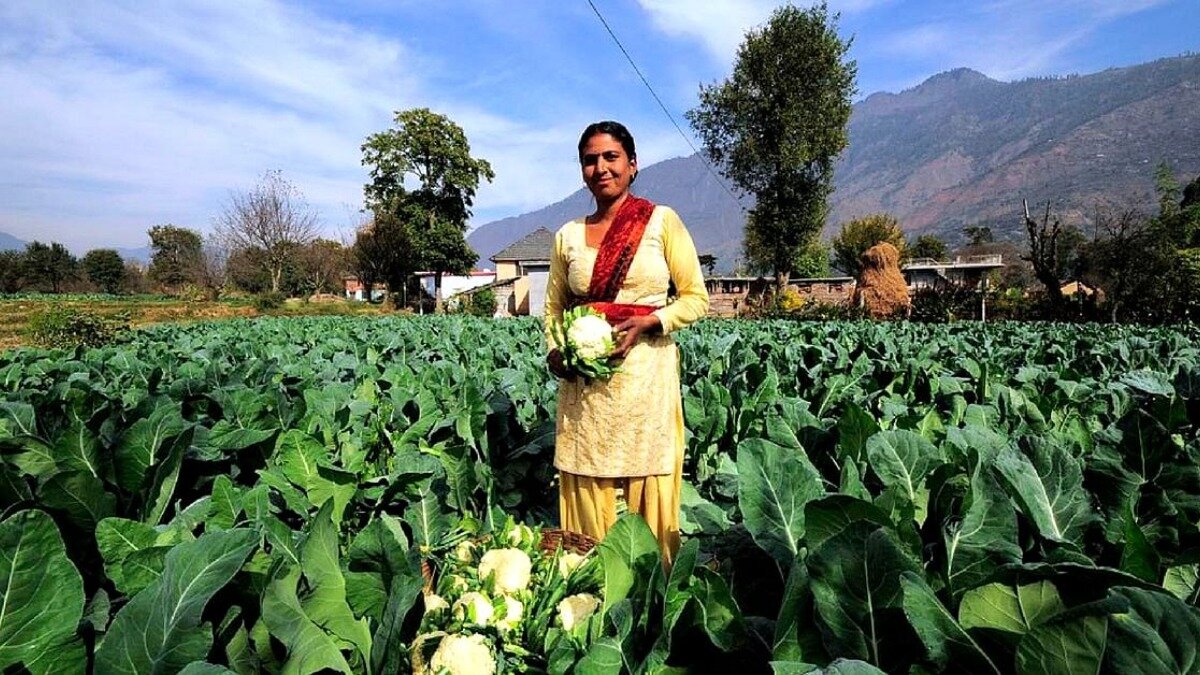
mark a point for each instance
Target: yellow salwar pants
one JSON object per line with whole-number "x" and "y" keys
{"x": 588, "y": 504}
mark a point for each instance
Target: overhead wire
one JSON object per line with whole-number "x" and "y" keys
{"x": 666, "y": 111}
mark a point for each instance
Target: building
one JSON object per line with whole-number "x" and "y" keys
{"x": 966, "y": 271}
{"x": 453, "y": 284}
{"x": 521, "y": 273}
{"x": 353, "y": 289}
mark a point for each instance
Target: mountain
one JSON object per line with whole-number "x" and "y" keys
{"x": 958, "y": 149}
{"x": 10, "y": 243}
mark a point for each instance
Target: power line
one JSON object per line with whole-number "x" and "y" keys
{"x": 663, "y": 106}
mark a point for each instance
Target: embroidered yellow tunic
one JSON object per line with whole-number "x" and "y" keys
{"x": 632, "y": 424}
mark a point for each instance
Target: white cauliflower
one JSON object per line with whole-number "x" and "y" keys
{"x": 463, "y": 655}
{"x": 521, "y": 535}
{"x": 575, "y": 609}
{"x": 513, "y": 611}
{"x": 591, "y": 336}
{"x": 459, "y": 584}
{"x": 569, "y": 562}
{"x": 474, "y": 607}
{"x": 509, "y": 569}
{"x": 435, "y": 603}
{"x": 464, "y": 551}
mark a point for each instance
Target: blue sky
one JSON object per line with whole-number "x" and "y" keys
{"x": 120, "y": 115}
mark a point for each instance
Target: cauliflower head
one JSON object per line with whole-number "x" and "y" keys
{"x": 463, "y": 655}
{"x": 591, "y": 336}
{"x": 474, "y": 607}
{"x": 509, "y": 569}
{"x": 514, "y": 611}
{"x": 575, "y": 609}
{"x": 568, "y": 562}
{"x": 435, "y": 603}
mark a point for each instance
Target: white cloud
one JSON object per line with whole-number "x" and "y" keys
{"x": 720, "y": 25}
{"x": 1006, "y": 39}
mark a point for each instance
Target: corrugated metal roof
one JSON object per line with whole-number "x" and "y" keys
{"x": 536, "y": 245}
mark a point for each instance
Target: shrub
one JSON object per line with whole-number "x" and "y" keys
{"x": 268, "y": 301}
{"x": 482, "y": 303}
{"x": 67, "y": 328}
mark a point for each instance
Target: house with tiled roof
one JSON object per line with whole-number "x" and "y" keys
{"x": 522, "y": 269}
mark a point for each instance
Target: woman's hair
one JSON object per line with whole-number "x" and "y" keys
{"x": 614, "y": 129}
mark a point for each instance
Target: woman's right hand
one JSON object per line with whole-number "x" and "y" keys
{"x": 557, "y": 366}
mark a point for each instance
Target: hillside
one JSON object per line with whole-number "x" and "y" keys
{"x": 10, "y": 243}
{"x": 958, "y": 149}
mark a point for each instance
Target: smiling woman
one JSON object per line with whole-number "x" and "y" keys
{"x": 622, "y": 437}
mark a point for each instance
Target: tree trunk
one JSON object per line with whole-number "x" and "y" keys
{"x": 276, "y": 275}
{"x": 781, "y": 282}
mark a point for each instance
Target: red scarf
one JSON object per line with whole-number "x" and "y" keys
{"x": 613, "y": 259}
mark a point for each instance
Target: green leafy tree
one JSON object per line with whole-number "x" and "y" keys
{"x": 12, "y": 264}
{"x": 860, "y": 234}
{"x": 175, "y": 256}
{"x": 709, "y": 262}
{"x": 382, "y": 253}
{"x": 978, "y": 235}
{"x": 49, "y": 266}
{"x": 775, "y": 127}
{"x": 104, "y": 268}
{"x": 813, "y": 260}
{"x": 928, "y": 246}
{"x": 430, "y": 152}
{"x": 1167, "y": 187}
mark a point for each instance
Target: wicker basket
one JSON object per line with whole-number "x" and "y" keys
{"x": 572, "y": 542}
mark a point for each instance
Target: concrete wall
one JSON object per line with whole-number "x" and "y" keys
{"x": 506, "y": 270}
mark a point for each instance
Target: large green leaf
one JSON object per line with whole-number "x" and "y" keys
{"x": 1158, "y": 634}
{"x": 41, "y": 596}
{"x": 146, "y": 443}
{"x": 310, "y": 649}
{"x": 985, "y": 539}
{"x": 80, "y": 495}
{"x": 855, "y": 582}
{"x": 160, "y": 630}
{"x": 1072, "y": 646}
{"x": 945, "y": 640}
{"x": 1049, "y": 489}
{"x": 325, "y": 600}
{"x": 377, "y": 556}
{"x": 1009, "y": 608}
{"x": 774, "y": 484}
{"x": 629, "y": 552}
{"x": 299, "y": 457}
{"x": 902, "y": 459}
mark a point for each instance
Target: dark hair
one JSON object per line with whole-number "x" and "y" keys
{"x": 614, "y": 129}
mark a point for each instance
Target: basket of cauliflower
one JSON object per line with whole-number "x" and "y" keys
{"x": 585, "y": 340}
{"x": 509, "y": 603}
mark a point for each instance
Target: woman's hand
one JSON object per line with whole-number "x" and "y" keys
{"x": 632, "y": 328}
{"x": 558, "y": 367}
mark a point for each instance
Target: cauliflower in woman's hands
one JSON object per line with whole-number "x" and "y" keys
{"x": 585, "y": 340}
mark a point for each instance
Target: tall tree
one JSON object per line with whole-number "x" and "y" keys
{"x": 12, "y": 265}
{"x": 49, "y": 265}
{"x": 431, "y": 151}
{"x": 860, "y": 234}
{"x": 175, "y": 255}
{"x": 273, "y": 217}
{"x": 321, "y": 264}
{"x": 1054, "y": 250}
{"x": 382, "y": 254}
{"x": 928, "y": 246}
{"x": 978, "y": 235}
{"x": 105, "y": 268}
{"x": 777, "y": 124}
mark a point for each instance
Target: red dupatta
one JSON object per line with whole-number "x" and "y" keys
{"x": 616, "y": 254}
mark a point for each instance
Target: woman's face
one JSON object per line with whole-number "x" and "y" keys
{"x": 607, "y": 169}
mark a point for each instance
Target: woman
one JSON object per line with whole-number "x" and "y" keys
{"x": 623, "y": 438}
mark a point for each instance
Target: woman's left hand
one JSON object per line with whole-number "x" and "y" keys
{"x": 631, "y": 329}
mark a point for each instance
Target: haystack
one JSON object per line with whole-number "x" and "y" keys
{"x": 881, "y": 289}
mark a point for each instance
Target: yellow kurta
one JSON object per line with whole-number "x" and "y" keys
{"x": 626, "y": 434}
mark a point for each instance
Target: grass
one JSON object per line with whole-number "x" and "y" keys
{"x": 145, "y": 310}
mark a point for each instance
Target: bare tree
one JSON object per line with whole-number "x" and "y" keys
{"x": 211, "y": 271}
{"x": 322, "y": 264}
{"x": 1053, "y": 251}
{"x": 274, "y": 218}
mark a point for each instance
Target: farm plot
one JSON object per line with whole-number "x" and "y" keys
{"x": 261, "y": 496}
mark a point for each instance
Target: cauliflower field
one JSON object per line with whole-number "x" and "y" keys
{"x": 260, "y": 496}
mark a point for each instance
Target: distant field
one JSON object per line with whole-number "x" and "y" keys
{"x": 144, "y": 310}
